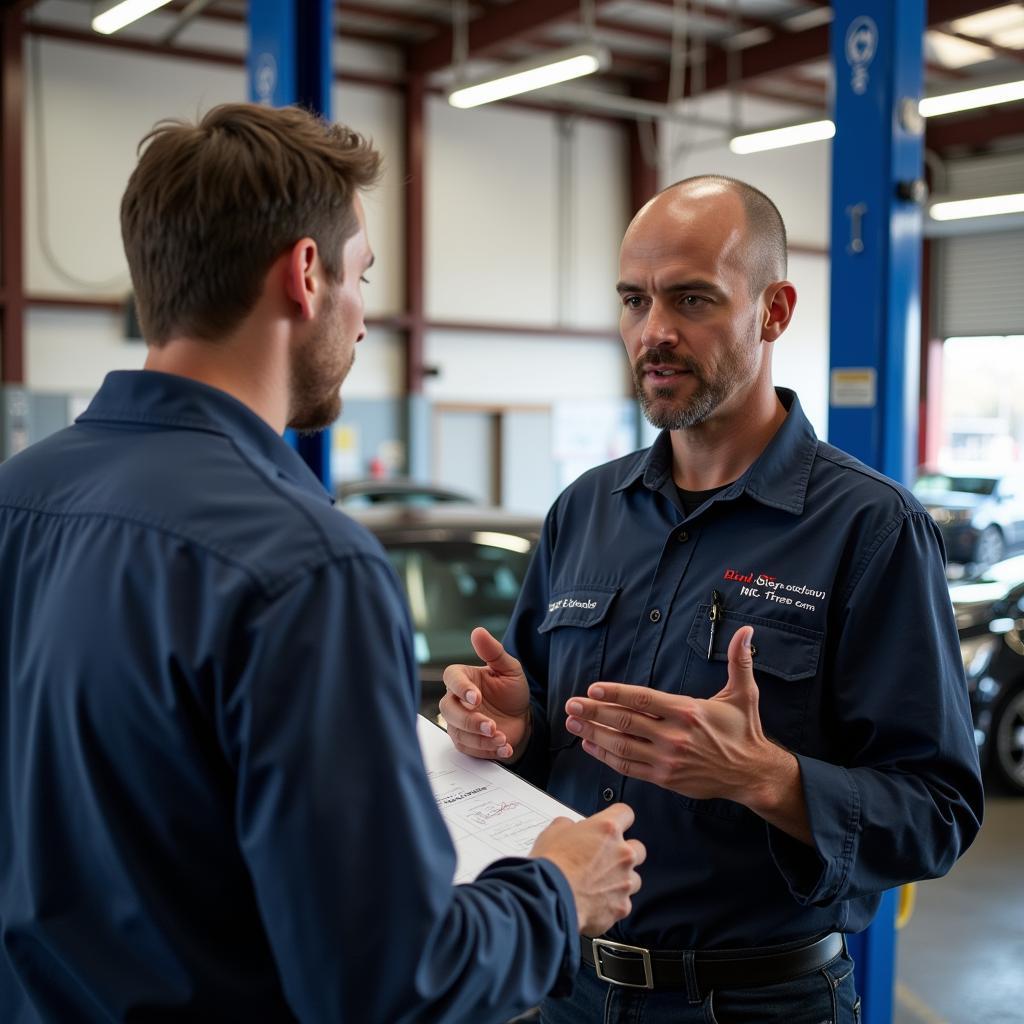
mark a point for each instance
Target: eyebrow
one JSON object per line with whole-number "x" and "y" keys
{"x": 697, "y": 285}
{"x": 372, "y": 260}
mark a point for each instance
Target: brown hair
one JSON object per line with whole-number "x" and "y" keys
{"x": 210, "y": 206}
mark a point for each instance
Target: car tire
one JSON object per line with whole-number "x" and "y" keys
{"x": 991, "y": 546}
{"x": 1006, "y": 739}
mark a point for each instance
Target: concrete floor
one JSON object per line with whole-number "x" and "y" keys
{"x": 961, "y": 956}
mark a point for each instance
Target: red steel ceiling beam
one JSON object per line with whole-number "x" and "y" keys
{"x": 986, "y": 124}
{"x": 494, "y": 28}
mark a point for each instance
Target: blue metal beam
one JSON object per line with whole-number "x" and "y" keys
{"x": 877, "y": 158}
{"x": 876, "y": 231}
{"x": 290, "y": 61}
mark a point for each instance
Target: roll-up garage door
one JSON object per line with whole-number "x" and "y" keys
{"x": 980, "y": 278}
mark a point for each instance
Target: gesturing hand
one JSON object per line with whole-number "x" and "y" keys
{"x": 700, "y": 748}
{"x": 487, "y": 707}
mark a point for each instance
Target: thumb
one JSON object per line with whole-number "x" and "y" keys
{"x": 489, "y": 650}
{"x": 741, "y": 663}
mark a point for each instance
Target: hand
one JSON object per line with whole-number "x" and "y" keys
{"x": 700, "y": 748}
{"x": 598, "y": 862}
{"x": 487, "y": 708}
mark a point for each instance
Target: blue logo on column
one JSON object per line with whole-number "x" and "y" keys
{"x": 861, "y": 46}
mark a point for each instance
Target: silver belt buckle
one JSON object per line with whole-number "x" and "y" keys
{"x": 645, "y": 955}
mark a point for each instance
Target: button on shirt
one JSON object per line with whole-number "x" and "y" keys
{"x": 840, "y": 572}
{"x": 212, "y": 801}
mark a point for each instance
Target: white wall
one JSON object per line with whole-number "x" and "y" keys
{"x": 497, "y": 208}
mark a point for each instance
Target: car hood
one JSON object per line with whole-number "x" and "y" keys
{"x": 951, "y": 499}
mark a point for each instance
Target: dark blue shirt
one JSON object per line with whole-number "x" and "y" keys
{"x": 212, "y": 800}
{"x": 840, "y": 572}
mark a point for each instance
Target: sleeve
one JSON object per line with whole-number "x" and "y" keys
{"x": 350, "y": 860}
{"x": 905, "y": 800}
{"x": 524, "y": 641}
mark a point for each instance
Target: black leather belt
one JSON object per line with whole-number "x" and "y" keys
{"x": 637, "y": 967}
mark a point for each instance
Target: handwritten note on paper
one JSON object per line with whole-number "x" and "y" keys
{"x": 490, "y": 812}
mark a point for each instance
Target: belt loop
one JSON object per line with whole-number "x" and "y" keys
{"x": 690, "y": 973}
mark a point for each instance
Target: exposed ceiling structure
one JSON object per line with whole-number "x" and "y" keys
{"x": 722, "y": 63}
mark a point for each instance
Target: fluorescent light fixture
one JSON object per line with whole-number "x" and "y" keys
{"x": 124, "y": 13}
{"x": 777, "y": 138}
{"x": 968, "y": 99}
{"x": 560, "y": 66}
{"x": 989, "y": 22}
{"x": 986, "y": 206}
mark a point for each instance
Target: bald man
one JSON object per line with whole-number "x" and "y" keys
{"x": 746, "y": 634}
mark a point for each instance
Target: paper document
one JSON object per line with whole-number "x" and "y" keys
{"x": 490, "y": 812}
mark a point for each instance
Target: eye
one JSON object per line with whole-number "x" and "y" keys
{"x": 632, "y": 301}
{"x": 365, "y": 279}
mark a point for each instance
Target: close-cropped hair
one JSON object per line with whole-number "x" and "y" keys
{"x": 767, "y": 246}
{"x": 210, "y": 206}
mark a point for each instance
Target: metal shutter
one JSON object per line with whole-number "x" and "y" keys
{"x": 981, "y": 277}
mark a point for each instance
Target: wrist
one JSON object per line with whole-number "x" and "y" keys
{"x": 774, "y": 781}
{"x": 519, "y": 750}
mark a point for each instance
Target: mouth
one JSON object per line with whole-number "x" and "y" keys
{"x": 660, "y": 374}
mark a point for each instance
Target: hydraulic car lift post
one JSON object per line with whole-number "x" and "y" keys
{"x": 877, "y": 198}
{"x": 289, "y": 61}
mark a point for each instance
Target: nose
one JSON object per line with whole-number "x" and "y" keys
{"x": 659, "y": 329}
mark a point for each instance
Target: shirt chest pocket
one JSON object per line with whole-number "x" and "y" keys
{"x": 576, "y": 624}
{"x": 786, "y": 659}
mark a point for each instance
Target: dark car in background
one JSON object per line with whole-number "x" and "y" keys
{"x": 396, "y": 491}
{"x": 990, "y": 619}
{"x": 980, "y": 514}
{"x": 461, "y": 567}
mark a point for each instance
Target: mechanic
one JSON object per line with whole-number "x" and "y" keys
{"x": 789, "y": 718}
{"x": 212, "y": 800}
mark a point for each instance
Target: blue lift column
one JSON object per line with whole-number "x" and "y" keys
{"x": 877, "y": 197}
{"x": 290, "y": 61}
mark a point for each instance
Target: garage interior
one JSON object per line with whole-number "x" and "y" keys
{"x": 493, "y": 365}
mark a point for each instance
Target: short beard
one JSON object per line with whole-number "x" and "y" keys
{"x": 315, "y": 382}
{"x": 656, "y": 406}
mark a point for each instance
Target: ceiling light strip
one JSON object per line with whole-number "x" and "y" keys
{"x": 124, "y": 13}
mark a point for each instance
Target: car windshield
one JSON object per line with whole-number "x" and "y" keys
{"x": 454, "y": 586}
{"x": 931, "y": 483}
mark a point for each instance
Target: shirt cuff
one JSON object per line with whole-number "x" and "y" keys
{"x": 567, "y": 921}
{"x": 817, "y": 875}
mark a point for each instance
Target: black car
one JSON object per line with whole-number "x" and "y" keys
{"x": 980, "y": 514}
{"x": 461, "y": 567}
{"x": 990, "y": 618}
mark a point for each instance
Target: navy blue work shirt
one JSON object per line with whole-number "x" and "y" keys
{"x": 212, "y": 800}
{"x": 840, "y": 572}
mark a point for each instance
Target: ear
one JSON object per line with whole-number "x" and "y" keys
{"x": 779, "y": 301}
{"x": 303, "y": 279}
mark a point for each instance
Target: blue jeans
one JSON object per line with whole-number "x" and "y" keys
{"x": 824, "y": 996}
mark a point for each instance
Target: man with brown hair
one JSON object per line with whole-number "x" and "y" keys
{"x": 195, "y": 823}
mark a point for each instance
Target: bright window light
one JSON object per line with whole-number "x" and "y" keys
{"x": 987, "y": 96}
{"x": 124, "y": 13}
{"x": 558, "y": 67}
{"x": 986, "y": 206}
{"x": 777, "y": 138}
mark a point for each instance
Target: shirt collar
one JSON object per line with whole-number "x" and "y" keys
{"x": 165, "y": 399}
{"x": 777, "y": 477}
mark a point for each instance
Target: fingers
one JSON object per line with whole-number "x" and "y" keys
{"x": 490, "y": 650}
{"x": 623, "y": 762}
{"x": 620, "y": 815}
{"x": 472, "y": 732}
{"x": 741, "y": 662}
{"x": 633, "y": 723}
{"x": 459, "y": 680}
{"x": 636, "y": 698}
